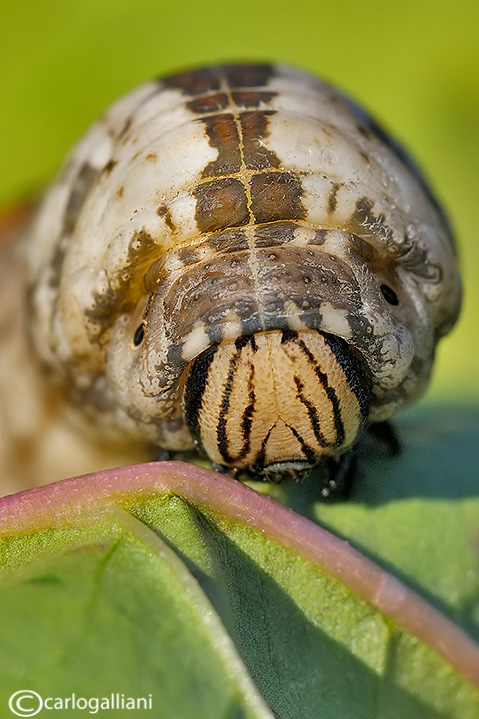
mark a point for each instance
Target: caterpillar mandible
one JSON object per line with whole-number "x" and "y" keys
{"x": 238, "y": 259}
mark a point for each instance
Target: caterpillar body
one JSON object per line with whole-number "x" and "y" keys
{"x": 238, "y": 259}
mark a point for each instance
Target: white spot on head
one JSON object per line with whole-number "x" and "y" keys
{"x": 338, "y": 243}
{"x": 234, "y": 327}
{"x": 182, "y": 210}
{"x": 196, "y": 342}
{"x": 293, "y": 320}
{"x": 303, "y": 236}
{"x": 101, "y": 152}
{"x": 335, "y": 321}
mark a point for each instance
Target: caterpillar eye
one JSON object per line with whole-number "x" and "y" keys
{"x": 389, "y": 295}
{"x": 139, "y": 335}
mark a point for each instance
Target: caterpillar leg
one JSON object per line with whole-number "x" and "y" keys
{"x": 387, "y": 435}
{"x": 340, "y": 475}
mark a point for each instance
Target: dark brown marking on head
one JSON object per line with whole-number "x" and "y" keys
{"x": 195, "y": 82}
{"x": 125, "y": 290}
{"x": 332, "y": 197}
{"x": 120, "y": 191}
{"x": 104, "y": 310}
{"x": 310, "y": 408}
{"x": 248, "y": 412}
{"x": 289, "y": 336}
{"x": 109, "y": 166}
{"x": 275, "y": 234}
{"x": 276, "y": 196}
{"x": 84, "y": 180}
{"x": 324, "y": 380}
{"x": 319, "y": 237}
{"x": 364, "y": 131}
{"x": 208, "y": 103}
{"x": 370, "y": 253}
{"x": 164, "y": 212}
{"x": 252, "y": 98}
{"x": 356, "y": 371}
{"x": 126, "y": 127}
{"x": 194, "y": 390}
{"x": 247, "y": 418}
{"x": 254, "y": 128}
{"x": 188, "y": 256}
{"x": 365, "y": 157}
{"x": 221, "y": 204}
{"x": 223, "y": 135}
{"x": 248, "y": 75}
{"x": 221, "y": 433}
{"x": 143, "y": 251}
{"x": 261, "y": 456}
{"x": 151, "y": 156}
{"x": 228, "y": 241}
{"x": 365, "y": 222}
{"x": 308, "y": 452}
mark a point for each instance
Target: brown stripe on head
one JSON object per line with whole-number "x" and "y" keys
{"x": 228, "y": 241}
{"x": 208, "y": 103}
{"x": 221, "y": 204}
{"x": 254, "y": 129}
{"x": 277, "y": 196}
{"x": 223, "y": 136}
{"x": 164, "y": 212}
{"x": 195, "y": 82}
{"x": 209, "y": 79}
{"x": 244, "y": 99}
{"x": 319, "y": 237}
{"x": 275, "y": 234}
{"x": 252, "y": 98}
{"x": 125, "y": 291}
{"x": 333, "y": 196}
{"x": 85, "y": 178}
{"x": 248, "y": 75}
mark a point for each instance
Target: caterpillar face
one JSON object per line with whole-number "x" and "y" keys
{"x": 276, "y": 401}
{"x": 238, "y": 258}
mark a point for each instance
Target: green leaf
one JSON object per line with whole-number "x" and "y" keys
{"x": 119, "y": 614}
{"x": 167, "y": 579}
{"x": 417, "y": 514}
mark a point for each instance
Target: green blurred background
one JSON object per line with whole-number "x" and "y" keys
{"x": 413, "y": 63}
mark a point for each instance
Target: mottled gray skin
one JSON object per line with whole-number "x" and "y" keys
{"x": 224, "y": 202}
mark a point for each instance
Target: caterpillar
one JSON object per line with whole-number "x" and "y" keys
{"x": 238, "y": 259}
